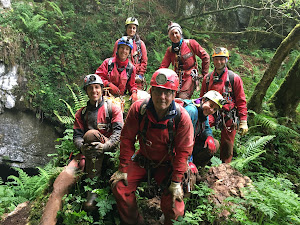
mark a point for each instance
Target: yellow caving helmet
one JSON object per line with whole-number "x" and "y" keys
{"x": 220, "y": 51}
{"x": 215, "y": 97}
{"x": 131, "y": 20}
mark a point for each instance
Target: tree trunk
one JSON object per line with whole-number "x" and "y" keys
{"x": 282, "y": 51}
{"x": 287, "y": 98}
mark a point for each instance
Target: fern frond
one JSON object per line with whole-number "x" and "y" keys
{"x": 64, "y": 119}
{"x": 56, "y": 8}
{"x": 22, "y": 179}
{"x": 284, "y": 131}
{"x": 255, "y": 144}
{"x": 34, "y": 23}
{"x": 266, "y": 122}
{"x": 69, "y": 108}
{"x": 272, "y": 126}
{"x": 80, "y": 99}
{"x": 252, "y": 149}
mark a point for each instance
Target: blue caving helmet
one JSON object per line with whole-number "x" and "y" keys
{"x": 125, "y": 40}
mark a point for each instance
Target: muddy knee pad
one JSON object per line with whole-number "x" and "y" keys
{"x": 94, "y": 136}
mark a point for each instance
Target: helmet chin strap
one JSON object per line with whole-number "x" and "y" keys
{"x": 97, "y": 102}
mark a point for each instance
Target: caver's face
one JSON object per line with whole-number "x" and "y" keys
{"x": 94, "y": 92}
{"x": 162, "y": 98}
{"x": 219, "y": 62}
{"x": 123, "y": 52}
{"x": 175, "y": 36}
{"x": 209, "y": 107}
{"x": 131, "y": 30}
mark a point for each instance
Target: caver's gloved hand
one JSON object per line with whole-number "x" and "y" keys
{"x": 193, "y": 168}
{"x": 243, "y": 127}
{"x": 85, "y": 149}
{"x": 116, "y": 177}
{"x": 210, "y": 144}
{"x": 92, "y": 150}
{"x": 177, "y": 192}
{"x": 114, "y": 89}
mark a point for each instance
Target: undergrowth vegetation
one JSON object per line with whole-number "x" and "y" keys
{"x": 58, "y": 43}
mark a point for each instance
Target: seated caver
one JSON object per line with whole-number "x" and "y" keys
{"x": 97, "y": 130}
{"x": 118, "y": 73}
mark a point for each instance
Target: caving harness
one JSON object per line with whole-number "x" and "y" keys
{"x": 129, "y": 69}
{"x": 178, "y": 65}
{"x": 106, "y": 126}
{"x": 137, "y": 55}
{"x": 146, "y": 162}
{"x": 100, "y": 126}
{"x": 222, "y": 116}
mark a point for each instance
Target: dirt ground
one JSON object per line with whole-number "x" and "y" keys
{"x": 224, "y": 180}
{"x": 19, "y": 216}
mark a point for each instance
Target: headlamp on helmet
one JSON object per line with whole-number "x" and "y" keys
{"x": 125, "y": 40}
{"x": 215, "y": 97}
{"x": 92, "y": 79}
{"x": 131, "y": 20}
{"x": 220, "y": 51}
{"x": 161, "y": 79}
{"x": 165, "y": 78}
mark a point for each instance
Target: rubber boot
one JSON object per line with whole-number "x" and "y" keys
{"x": 93, "y": 169}
{"x": 226, "y": 151}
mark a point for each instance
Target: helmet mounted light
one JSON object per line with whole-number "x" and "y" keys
{"x": 92, "y": 79}
{"x": 165, "y": 78}
{"x": 220, "y": 52}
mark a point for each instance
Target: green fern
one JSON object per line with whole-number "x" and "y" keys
{"x": 56, "y": 8}
{"x": 23, "y": 187}
{"x": 252, "y": 149}
{"x": 271, "y": 202}
{"x": 80, "y": 101}
{"x": 271, "y": 126}
{"x": 33, "y": 24}
{"x": 63, "y": 37}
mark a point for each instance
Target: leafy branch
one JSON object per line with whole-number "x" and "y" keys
{"x": 33, "y": 24}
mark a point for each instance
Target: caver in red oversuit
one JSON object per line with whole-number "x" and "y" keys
{"x": 138, "y": 56}
{"x": 219, "y": 80}
{"x": 182, "y": 55}
{"x": 118, "y": 73}
{"x": 97, "y": 129}
{"x": 156, "y": 156}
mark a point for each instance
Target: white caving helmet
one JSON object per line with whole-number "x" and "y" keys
{"x": 92, "y": 79}
{"x": 215, "y": 97}
{"x": 131, "y": 20}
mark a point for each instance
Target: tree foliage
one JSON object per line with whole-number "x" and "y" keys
{"x": 255, "y": 102}
{"x": 287, "y": 97}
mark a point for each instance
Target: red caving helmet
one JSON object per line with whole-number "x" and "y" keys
{"x": 165, "y": 78}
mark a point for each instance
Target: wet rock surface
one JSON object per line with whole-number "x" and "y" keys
{"x": 25, "y": 141}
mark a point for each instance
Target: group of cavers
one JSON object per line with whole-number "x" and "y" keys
{"x": 172, "y": 129}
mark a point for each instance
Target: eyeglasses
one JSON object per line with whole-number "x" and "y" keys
{"x": 159, "y": 91}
